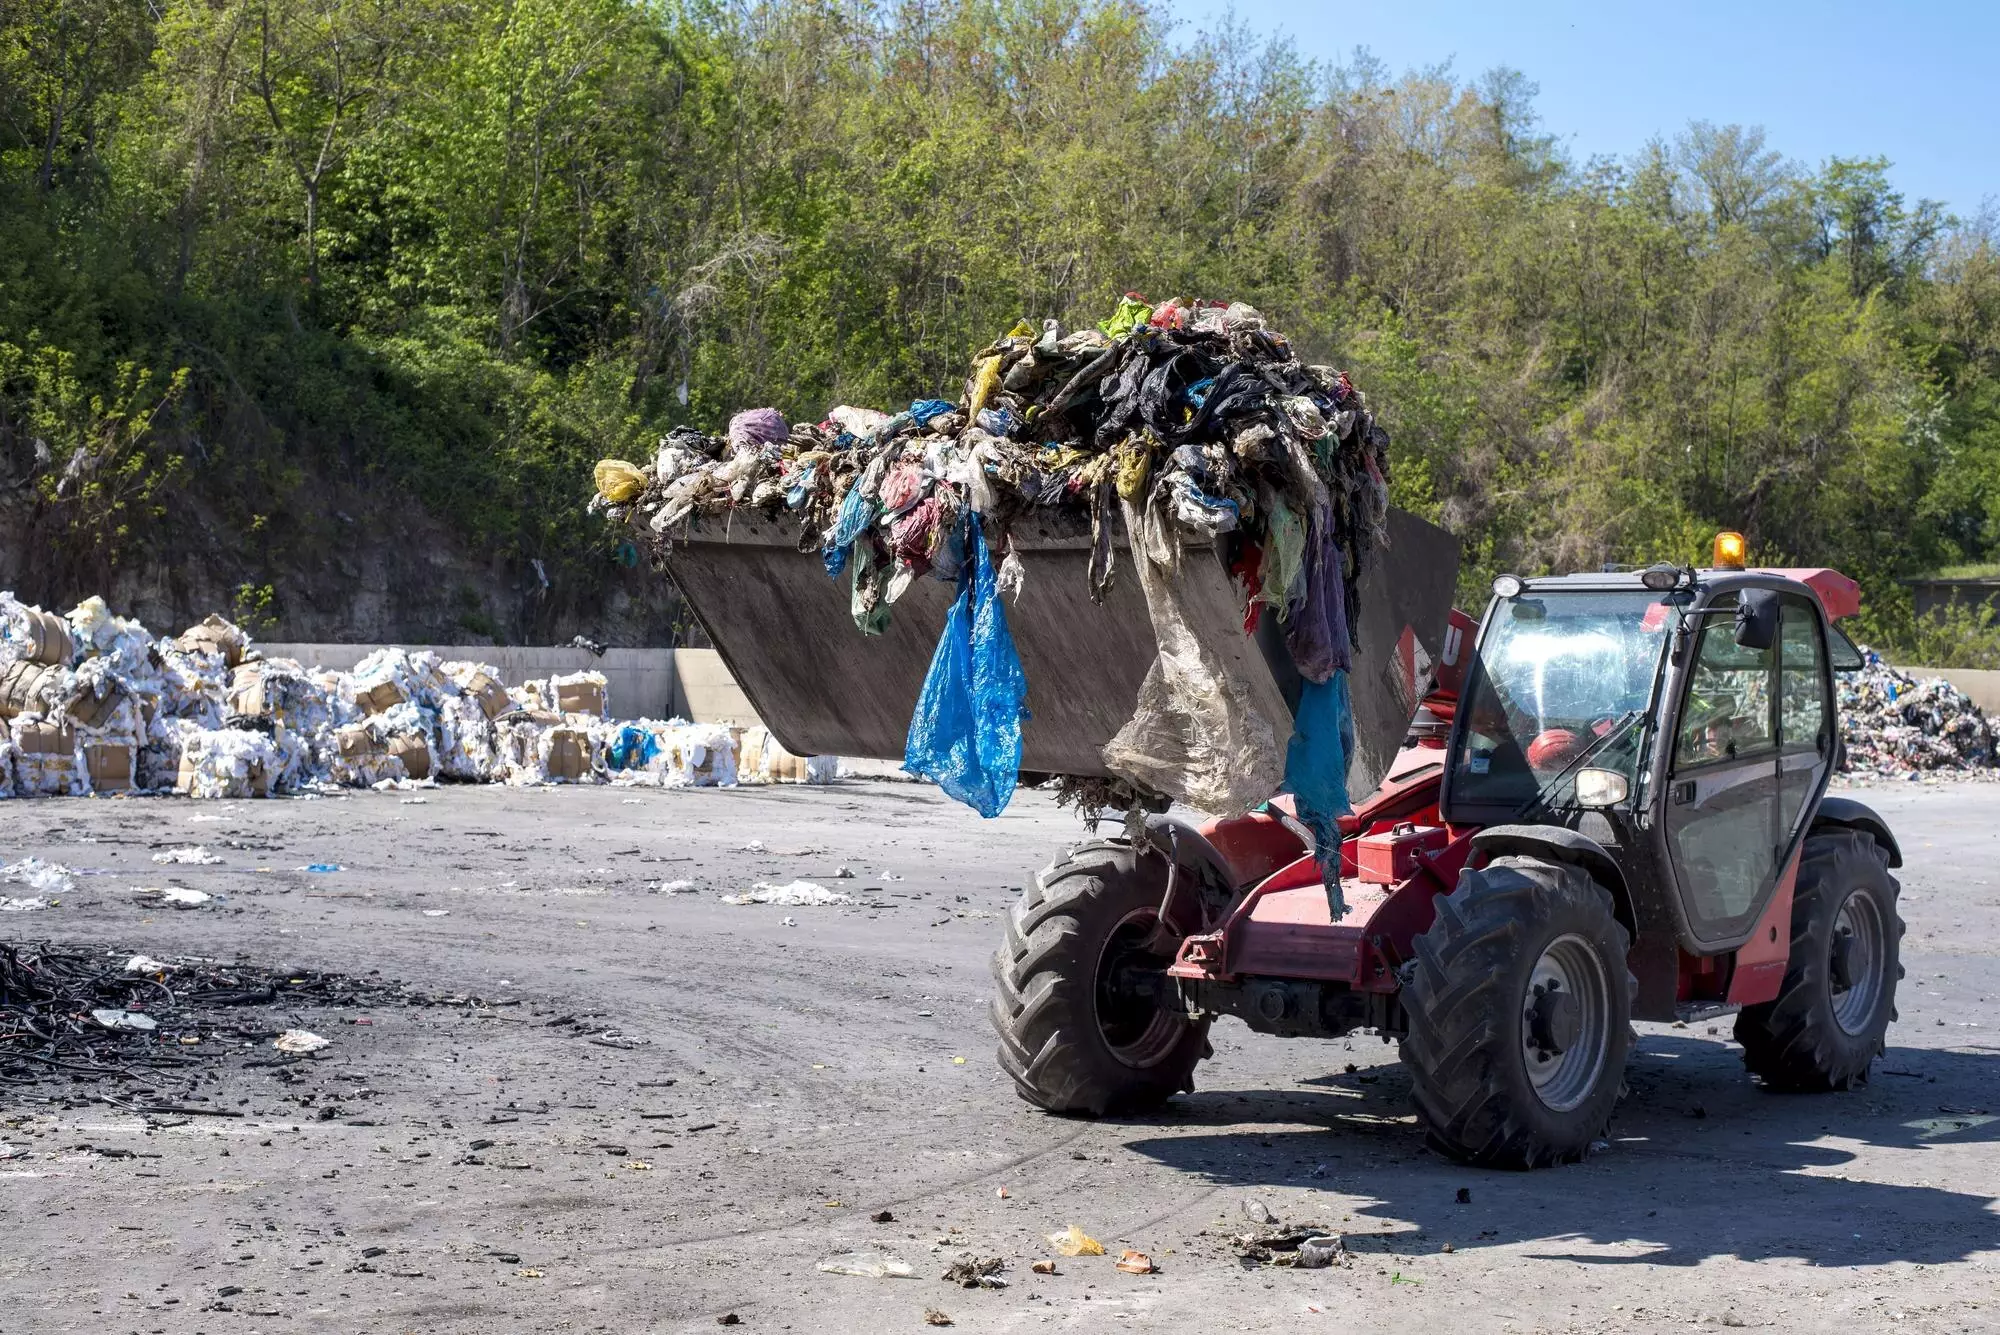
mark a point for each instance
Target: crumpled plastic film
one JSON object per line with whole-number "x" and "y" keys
{"x": 1201, "y": 732}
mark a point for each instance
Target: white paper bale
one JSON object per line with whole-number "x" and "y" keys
{"x": 194, "y": 683}
{"x": 465, "y": 740}
{"x": 699, "y": 755}
{"x": 580, "y": 693}
{"x": 121, "y": 642}
{"x": 228, "y": 763}
{"x": 6, "y": 763}
{"x": 519, "y": 755}
{"x": 39, "y": 773}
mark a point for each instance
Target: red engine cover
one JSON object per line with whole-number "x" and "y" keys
{"x": 1391, "y": 856}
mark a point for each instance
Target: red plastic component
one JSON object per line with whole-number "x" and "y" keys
{"x": 1387, "y": 857}
{"x": 1839, "y": 595}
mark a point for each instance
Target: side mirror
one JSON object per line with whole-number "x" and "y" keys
{"x": 1757, "y": 619}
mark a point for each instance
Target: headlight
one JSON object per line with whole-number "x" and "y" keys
{"x": 1661, "y": 578}
{"x": 1508, "y": 586}
{"x": 1600, "y": 788}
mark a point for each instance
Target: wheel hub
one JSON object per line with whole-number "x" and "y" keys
{"x": 1856, "y": 958}
{"x": 1555, "y": 1019}
{"x": 1565, "y": 1022}
{"x": 1137, "y": 1024}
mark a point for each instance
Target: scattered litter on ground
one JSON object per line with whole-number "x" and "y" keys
{"x": 44, "y": 878}
{"x": 1073, "y": 1241}
{"x": 933, "y": 1317}
{"x": 437, "y": 913}
{"x": 1322, "y": 1250}
{"x": 867, "y": 1265}
{"x": 1043, "y": 1267}
{"x": 1257, "y": 1212}
{"x": 676, "y": 888}
{"x": 194, "y": 855}
{"x": 322, "y": 868}
{"x": 175, "y": 896}
{"x": 976, "y": 1272}
{"x": 792, "y": 894}
{"x": 20, "y": 904}
{"x": 1136, "y": 1263}
{"x": 53, "y": 1046}
{"x": 299, "y": 1041}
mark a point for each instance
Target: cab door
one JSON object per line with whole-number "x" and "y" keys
{"x": 1724, "y": 815}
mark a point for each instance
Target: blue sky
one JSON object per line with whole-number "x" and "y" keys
{"x": 1914, "y": 83}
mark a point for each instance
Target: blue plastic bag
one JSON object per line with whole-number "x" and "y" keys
{"x": 966, "y": 733}
{"x": 632, "y": 748}
{"x": 1316, "y": 773}
{"x": 857, "y": 512}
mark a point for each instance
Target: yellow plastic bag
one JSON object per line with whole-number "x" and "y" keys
{"x": 1073, "y": 1241}
{"x": 618, "y": 481}
{"x": 985, "y": 383}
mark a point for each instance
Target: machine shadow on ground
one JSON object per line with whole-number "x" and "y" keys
{"x": 1701, "y": 1163}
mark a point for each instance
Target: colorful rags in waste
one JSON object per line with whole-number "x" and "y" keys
{"x": 95, "y": 703}
{"x": 1899, "y": 725}
{"x": 1187, "y": 423}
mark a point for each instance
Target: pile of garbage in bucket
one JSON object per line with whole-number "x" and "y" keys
{"x": 1191, "y": 423}
{"x": 95, "y": 703}
{"x": 1902, "y": 726}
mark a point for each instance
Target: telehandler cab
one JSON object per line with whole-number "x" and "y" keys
{"x": 1612, "y": 806}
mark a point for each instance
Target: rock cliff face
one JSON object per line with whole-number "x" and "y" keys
{"x": 364, "y": 569}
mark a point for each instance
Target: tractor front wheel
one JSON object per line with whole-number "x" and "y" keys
{"x": 1520, "y": 1010}
{"x": 1087, "y": 1018}
{"x": 1827, "y": 1024}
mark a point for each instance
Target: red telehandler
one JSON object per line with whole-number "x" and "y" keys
{"x": 1604, "y": 802}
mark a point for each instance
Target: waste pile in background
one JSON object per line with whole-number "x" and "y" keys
{"x": 1187, "y": 423}
{"x": 1898, "y": 725}
{"x": 95, "y": 703}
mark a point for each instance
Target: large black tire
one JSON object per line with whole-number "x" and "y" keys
{"x": 1504, "y": 1074}
{"x": 1069, "y": 1044}
{"x": 1827, "y": 1024}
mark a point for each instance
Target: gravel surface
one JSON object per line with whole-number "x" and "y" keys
{"x": 638, "y": 1110}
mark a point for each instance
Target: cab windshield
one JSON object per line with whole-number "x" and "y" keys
{"x": 1557, "y": 675}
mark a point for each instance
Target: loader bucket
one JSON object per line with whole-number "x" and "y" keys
{"x": 822, "y": 688}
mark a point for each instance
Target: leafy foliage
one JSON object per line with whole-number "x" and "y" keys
{"x": 456, "y": 250}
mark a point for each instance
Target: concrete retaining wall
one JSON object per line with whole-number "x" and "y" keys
{"x": 641, "y": 682}
{"x": 706, "y": 693}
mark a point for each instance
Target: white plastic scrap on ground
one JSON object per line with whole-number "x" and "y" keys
{"x": 792, "y": 894}
{"x": 194, "y": 855}
{"x": 175, "y": 896}
{"x": 44, "y": 878}
{"x": 677, "y": 888}
{"x": 128, "y": 1020}
{"x": 300, "y": 1041}
{"x": 144, "y": 964}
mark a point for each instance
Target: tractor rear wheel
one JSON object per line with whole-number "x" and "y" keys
{"x": 1520, "y": 1015}
{"x": 1087, "y": 1021}
{"x": 1827, "y": 1024}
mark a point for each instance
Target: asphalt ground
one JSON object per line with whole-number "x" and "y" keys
{"x": 632, "y": 1110}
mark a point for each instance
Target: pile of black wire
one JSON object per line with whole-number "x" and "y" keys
{"x": 84, "y": 1015}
